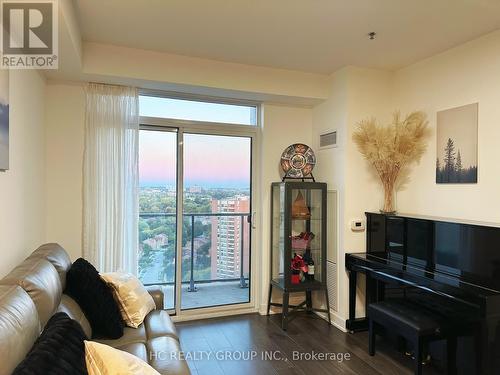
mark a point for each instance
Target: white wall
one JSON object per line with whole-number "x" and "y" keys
{"x": 22, "y": 187}
{"x": 332, "y": 114}
{"x": 282, "y": 126}
{"x": 355, "y": 94}
{"x": 467, "y": 74}
{"x": 168, "y": 72}
{"x": 65, "y": 116}
{"x": 369, "y": 96}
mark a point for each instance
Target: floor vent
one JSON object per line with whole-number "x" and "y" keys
{"x": 331, "y": 281}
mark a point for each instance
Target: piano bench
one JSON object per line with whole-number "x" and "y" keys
{"x": 416, "y": 324}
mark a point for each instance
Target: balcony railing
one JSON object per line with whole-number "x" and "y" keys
{"x": 189, "y": 221}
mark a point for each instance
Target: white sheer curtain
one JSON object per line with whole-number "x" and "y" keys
{"x": 110, "y": 234}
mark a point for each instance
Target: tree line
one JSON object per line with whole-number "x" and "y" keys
{"x": 451, "y": 169}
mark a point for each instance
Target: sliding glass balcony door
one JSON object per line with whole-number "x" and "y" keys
{"x": 206, "y": 227}
{"x": 216, "y": 206}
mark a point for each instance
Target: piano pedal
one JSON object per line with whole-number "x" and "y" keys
{"x": 425, "y": 361}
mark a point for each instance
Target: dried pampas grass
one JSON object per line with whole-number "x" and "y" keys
{"x": 392, "y": 148}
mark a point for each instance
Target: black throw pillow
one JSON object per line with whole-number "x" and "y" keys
{"x": 95, "y": 298}
{"x": 58, "y": 351}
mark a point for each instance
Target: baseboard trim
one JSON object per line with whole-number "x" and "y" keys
{"x": 337, "y": 320}
{"x": 263, "y": 309}
{"x": 215, "y": 314}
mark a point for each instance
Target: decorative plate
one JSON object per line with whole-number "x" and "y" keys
{"x": 298, "y": 160}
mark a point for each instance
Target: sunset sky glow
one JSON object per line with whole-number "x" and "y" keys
{"x": 209, "y": 161}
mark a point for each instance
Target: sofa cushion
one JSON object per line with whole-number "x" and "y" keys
{"x": 157, "y": 293}
{"x": 138, "y": 349}
{"x": 69, "y": 306}
{"x": 41, "y": 281}
{"x": 130, "y": 336}
{"x": 57, "y": 256}
{"x": 19, "y": 326}
{"x": 165, "y": 357}
{"x": 158, "y": 323}
{"x": 58, "y": 351}
{"x": 86, "y": 287}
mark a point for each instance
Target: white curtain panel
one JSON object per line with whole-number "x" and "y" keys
{"x": 110, "y": 234}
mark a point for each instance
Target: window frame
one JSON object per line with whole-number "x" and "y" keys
{"x": 223, "y": 129}
{"x": 202, "y": 99}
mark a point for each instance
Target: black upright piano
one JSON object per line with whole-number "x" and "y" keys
{"x": 453, "y": 265}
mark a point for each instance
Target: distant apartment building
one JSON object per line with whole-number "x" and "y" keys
{"x": 157, "y": 242}
{"x": 194, "y": 189}
{"x": 227, "y": 238}
{"x": 197, "y": 243}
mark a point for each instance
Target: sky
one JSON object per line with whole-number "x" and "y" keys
{"x": 201, "y": 111}
{"x": 209, "y": 161}
{"x": 459, "y": 124}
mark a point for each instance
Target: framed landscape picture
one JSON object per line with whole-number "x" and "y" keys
{"x": 4, "y": 119}
{"x": 456, "y": 161}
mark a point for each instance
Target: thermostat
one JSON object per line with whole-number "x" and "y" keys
{"x": 357, "y": 225}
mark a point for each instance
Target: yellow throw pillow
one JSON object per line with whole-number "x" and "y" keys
{"x": 104, "y": 360}
{"x": 133, "y": 299}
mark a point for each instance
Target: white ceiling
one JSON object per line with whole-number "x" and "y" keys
{"x": 310, "y": 35}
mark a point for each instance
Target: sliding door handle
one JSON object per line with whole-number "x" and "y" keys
{"x": 251, "y": 219}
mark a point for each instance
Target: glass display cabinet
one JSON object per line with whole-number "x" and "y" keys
{"x": 298, "y": 243}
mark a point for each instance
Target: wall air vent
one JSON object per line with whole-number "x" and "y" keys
{"x": 328, "y": 139}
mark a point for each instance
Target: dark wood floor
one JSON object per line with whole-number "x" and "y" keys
{"x": 224, "y": 339}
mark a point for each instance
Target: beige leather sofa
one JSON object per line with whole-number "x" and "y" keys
{"x": 32, "y": 292}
